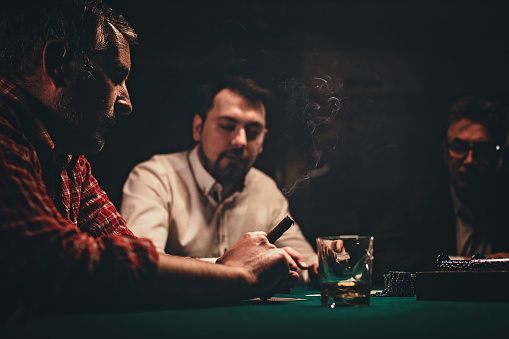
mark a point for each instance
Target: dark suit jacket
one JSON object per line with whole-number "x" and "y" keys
{"x": 412, "y": 224}
{"x": 417, "y": 223}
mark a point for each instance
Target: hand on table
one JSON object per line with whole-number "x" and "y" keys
{"x": 313, "y": 275}
{"x": 269, "y": 268}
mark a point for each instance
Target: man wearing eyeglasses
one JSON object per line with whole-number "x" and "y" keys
{"x": 475, "y": 138}
{"x": 460, "y": 209}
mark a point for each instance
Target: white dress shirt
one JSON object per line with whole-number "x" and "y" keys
{"x": 172, "y": 200}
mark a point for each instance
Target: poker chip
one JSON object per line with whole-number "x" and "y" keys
{"x": 399, "y": 284}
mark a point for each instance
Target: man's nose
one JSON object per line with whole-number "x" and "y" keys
{"x": 239, "y": 139}
{"x": 123, "y": 104}
{"x": 469, "y": 159}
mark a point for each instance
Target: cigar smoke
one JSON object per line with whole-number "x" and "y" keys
{"x": 318, "y": 104}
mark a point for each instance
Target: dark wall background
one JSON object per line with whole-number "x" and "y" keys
{"x": 394, "y": 66}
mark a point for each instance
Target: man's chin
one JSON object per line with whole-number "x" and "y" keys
{"x": 232, "y": 176}
{"x": 93, "y": 146}
{"x": 96, "y": 150}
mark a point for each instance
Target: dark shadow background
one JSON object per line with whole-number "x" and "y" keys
{"x": 394, "y": 65}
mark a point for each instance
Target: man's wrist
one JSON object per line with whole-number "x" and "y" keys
{"x": 247, "y": 282}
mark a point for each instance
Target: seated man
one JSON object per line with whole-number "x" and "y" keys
{"x": 63, "y": 246}
{"x": 199, "y": 202}
{"x": 462, "y": 209}
{"x": 474, "y": 143}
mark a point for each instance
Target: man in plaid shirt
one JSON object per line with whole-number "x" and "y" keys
{"x": 63, "y": 246}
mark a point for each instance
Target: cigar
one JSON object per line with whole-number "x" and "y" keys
{"x": 280, "y": 228}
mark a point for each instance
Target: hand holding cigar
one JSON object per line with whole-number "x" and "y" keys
{"x": 274, "y": 235}
{"x": 280, "y": 228}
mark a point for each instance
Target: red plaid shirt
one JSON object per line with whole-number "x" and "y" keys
{"x": 63, "y": 245}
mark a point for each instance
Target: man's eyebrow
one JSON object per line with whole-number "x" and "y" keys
{"x": 227, "y": 118}
{"x": 233, "y": 120}
{"x": 117, "y": 67}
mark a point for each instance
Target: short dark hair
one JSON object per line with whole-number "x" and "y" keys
{"x": 27, "y": 25}
{"x": 247, "y": 88}
{"x": 480, "y": 110}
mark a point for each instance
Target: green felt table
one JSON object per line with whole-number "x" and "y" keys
{"x": 385, "y": 317}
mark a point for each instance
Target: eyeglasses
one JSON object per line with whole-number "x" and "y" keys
{"x": 482, "y": 150}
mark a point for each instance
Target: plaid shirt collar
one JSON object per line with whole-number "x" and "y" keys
{"x": 33, "y": 127}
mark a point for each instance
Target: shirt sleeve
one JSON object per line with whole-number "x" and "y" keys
{"x": 146, "y": 203}
{"x": 47, "y": 263}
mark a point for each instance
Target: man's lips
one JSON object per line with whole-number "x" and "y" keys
{"x": 466, "y": 175}
{"x": 233, "y": 158}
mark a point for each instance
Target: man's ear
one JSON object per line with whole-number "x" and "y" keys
{"x": 55, "y": 62}
{"x": 264, "y": 135}
{"x": 197, "y": 127}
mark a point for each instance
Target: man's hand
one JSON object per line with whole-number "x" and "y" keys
{"x": 313, "y": 275}
{"x": 268, "y": 267}
{"x": 298, "y": 262}
{"x": 312, "y": 269}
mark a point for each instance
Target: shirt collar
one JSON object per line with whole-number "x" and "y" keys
{"x": 32, "y": 126}
{"x": 205, "y": 181}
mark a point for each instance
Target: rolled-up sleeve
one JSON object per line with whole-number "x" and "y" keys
{"x": 50, "y": 263}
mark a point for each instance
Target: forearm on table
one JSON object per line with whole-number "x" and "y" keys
{"x": 187, "y": 280}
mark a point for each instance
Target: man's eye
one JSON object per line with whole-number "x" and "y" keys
{"x": 227, "y": 127}
{"x": 253, "y": 133}
{"x": 116, "y": 79}
{"x": 459, "y": 147}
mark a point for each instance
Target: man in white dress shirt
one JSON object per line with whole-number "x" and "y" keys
{"x": 199, "y": 202}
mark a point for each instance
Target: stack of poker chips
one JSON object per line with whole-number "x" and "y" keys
{"x": 399, "y": 284}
